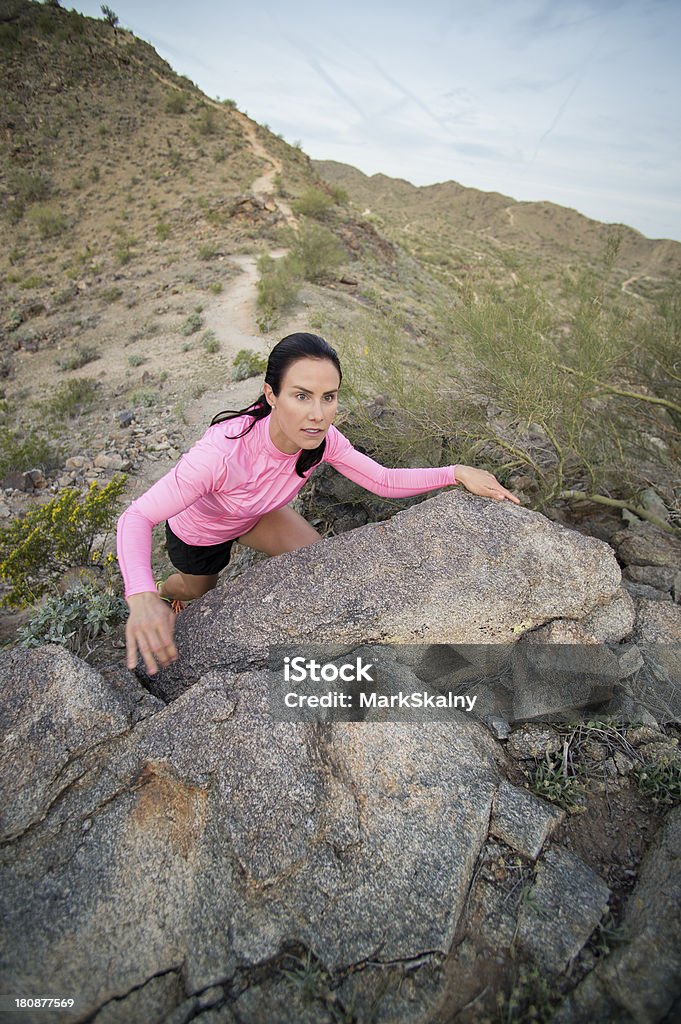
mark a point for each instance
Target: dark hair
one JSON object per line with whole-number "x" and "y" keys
{"x": 286, "y": 352}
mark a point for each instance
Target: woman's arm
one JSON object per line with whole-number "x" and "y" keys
{"x": 199, "y": 472}
{"x": 402, "y": 483}
{"x": 151, "y": 623}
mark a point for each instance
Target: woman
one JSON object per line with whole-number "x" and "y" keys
{"x": 237, "y": 482}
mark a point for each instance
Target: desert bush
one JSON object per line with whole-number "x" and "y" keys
{"x": 193, "y": 323}
{"x": 37, "y": 549}
{"x": 207, "y": 251}
{"x": 81, "y": 356}
{"x": 162, "y": 230}
{"x": 48, "y": 221}
{"x": 33, "y": 281}
{"x": 109, "y": 16}
{"x": 112, "y": 294}
{"x": 207, "y": 122}
{"x": 247, "y": 363}
{"x": 75, "y": 619}
{"x": 136, "y": 360}
{"x": 72, "y": 398}
{"x": 29, "y": 186}
{"x": 339, "y": 194}
{"x": 278, "y": 287}
{"x": 21, "y": 451}
{"x": 176, "y": 103}
{"x": 314, "y": 203}
{"x": 317, "y": 252}
{"x": 210, "y": 342}
{"x": 144, "y": 397}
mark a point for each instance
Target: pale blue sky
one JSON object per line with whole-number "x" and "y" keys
{"x": 575, "y": 101}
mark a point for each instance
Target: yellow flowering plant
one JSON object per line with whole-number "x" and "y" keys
{"x": 37, "y": 549}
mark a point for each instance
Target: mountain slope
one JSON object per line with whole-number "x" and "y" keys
{"x": 453, "y": 227}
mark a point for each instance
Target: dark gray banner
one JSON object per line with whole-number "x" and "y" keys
{"x": 523, "y": 681}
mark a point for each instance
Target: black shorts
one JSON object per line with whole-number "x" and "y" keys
{"x": 197, "y": 559}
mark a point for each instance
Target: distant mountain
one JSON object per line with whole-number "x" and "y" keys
{"x": 451, "y": 225}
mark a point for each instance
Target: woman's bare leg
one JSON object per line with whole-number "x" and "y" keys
{"x": 277, "y": 532}
{"x": 280, "y": 531}
{"x": 183, "y": 587}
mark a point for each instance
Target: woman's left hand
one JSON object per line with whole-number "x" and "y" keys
{"x": 479, "y": 481}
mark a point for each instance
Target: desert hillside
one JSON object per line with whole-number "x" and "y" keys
{"x": 450, "y": 228}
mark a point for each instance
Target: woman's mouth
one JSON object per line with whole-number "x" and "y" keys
{"x": 312, "y": 431}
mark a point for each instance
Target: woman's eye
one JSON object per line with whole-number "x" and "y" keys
{"x": 301, "y": 396}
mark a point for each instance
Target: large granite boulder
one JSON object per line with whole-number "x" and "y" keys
{"x": 455, "y": 569}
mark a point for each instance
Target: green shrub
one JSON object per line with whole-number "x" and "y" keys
{"x": 207, "y": 123}
{"x": 20, "y": 452}
{"x": 162, "y": 230}
{"x": 278, "y": 287}
{"x": 210, "y": 342}
{"x": 123, "y": 254}
{"x": 317, "y": 251}
{"x": 207, "y": 251}
{"x": 109, "y": 16}
{"x": 31, "y": 282}
{"x": 74, "y": 619}
{"x": 247, "y": 364}
{"x": 314, "y": 203}
{"x": 193, "y": 323}
{"x": 29, "y": 186}
{"x": 112, "y": 294}
{"x": 136, "y": 360}
{"x": 48, "y": 221}
{"x": 36, "y": 550}
{"x": 215, "y": 287}
{"x": 73, "y": 397}
{"x": 339, "y": 195}
{"x": 176, "y": 103}
{"x": 144, "y": 397}
{"x": 81, "y": 356}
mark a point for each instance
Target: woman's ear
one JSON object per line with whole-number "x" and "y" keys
{"x": 269, "y": 395}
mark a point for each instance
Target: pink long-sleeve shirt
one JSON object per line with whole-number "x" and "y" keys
{"x": 223, "y": 485}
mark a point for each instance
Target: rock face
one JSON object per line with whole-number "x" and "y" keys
{"x": 455, "y": 569}
{"x": 185, "y": 856}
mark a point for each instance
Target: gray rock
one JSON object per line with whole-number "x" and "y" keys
{"x": 157, "y": 997}
{"x": 647, "y": 545}
{"x": 523, "y": 820}
{"x": 552, "y": 929}
{"x": 125, "y": 419}
{"x": 109, "y": 460}
{"x": 211, "y": 837}
{"x": 54, "y": 709}
{"x": 658, "y": 576}
{"x": 533, "y": 741}
{"x": 613, "y": 621}
{"x": 657, "y": 621}
{"x": 397, "y": 582}
{"x": 642, "y": 590}
{"x": 642, "y": 980}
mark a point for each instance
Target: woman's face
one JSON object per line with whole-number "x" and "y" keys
{"x": 306, "y": 405}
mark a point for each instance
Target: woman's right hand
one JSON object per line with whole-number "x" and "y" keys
{"x": 149, "y": 631}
